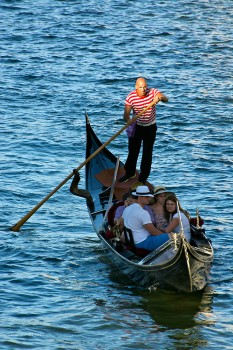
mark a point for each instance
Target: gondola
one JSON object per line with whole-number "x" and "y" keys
{"x": 177, "y": 265}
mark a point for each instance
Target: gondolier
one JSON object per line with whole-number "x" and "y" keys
{"x": 145, "y": 129}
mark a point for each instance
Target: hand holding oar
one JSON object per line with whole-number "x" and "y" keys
{"x": 17, "y": 226}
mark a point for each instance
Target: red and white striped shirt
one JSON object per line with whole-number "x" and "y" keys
{"x": 138, "y": 103}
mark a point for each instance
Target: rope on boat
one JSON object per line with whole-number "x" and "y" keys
{"x": 174, "y": 235}
{"x": 183, "y": 239}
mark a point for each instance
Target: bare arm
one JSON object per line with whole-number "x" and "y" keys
{"x": 152, "y": 229}
{"x": 173, "y": 224}
{"x": 127, "y": 111}
{"x": 162, "y": 97}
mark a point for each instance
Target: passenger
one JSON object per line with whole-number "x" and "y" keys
{"x": 138, "y": 220}
{"x": 171, "y": 214}
{"x": 128, "y": 199}
{"x": 156, "y": 209}
{"x": 118, "y": 220}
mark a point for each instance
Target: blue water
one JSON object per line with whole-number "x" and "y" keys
{"x": 58, "y": 60}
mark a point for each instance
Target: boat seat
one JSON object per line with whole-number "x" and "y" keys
{"x": 112, "y": 211}
{"x": 110, "y": 234}
{"x": 198, "y": 233}
{"x": 198, "y": 238}
{"x": 130, "y": 245}
{"x": 193, "y": 221}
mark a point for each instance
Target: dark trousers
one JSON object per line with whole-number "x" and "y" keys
{"x": 146, "y": 136}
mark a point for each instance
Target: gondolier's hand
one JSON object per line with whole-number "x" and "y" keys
{"x": 160, "y": 97}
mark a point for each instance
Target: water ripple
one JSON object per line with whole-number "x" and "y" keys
{"x": 58, "y": 60}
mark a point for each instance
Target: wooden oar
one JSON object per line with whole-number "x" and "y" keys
{"x": 17, "y": 226}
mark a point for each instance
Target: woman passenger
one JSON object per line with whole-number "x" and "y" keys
{"x": 156, "y": 210}
{"x": 172, "y": 216}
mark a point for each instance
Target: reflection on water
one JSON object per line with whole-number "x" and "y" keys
{"x": 168, "y": 309}
{"x": 177, "y": 310}
{"x": 154, "y": 317}
{"x": 58, "y": 60}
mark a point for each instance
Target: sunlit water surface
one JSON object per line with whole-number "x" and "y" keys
{"x": 58, "y": 60}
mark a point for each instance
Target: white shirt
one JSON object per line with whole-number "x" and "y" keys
{"x": 186, "y": 225}
{"x": 134, "y": 218}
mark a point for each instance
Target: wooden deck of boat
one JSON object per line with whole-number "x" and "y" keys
{"x": 105, "y": 178}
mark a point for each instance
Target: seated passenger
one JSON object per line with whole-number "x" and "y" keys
{"x": 138, "y": 220}
{"x": 128, "y": 199}
{"x": 156, "y": 209}
{"x": 171, "y": 214}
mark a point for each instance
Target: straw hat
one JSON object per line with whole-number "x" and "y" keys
{"x": 159, "y": 190}
{"x": 142, "y": 191}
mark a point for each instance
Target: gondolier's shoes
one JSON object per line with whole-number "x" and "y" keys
{"x": 126, "y": 177}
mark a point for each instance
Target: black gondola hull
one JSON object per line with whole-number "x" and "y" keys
{"x": 179, "y": 266}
